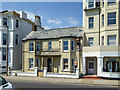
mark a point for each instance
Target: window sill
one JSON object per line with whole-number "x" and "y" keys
{"x": 112, "y": 25}
{"x": 31, "y": 51}
{"x": 30, "y": 68}
{"x": 65, "y": 51}
{"x": 111, "y": 4}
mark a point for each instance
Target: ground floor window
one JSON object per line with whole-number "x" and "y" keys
{"x": 112, "y": 64}
{"x": 31, "y": 63}
{"x": 65, "y": 64}
{"x": 37, "y": 62}
{"x": 73, "y": 66}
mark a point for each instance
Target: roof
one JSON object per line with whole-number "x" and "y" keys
{"x": 55, "y": 33}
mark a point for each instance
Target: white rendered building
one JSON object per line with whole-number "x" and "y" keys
{"x": 18, "y": 27}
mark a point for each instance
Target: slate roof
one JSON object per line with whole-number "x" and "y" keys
{"x": 55, "y": 33}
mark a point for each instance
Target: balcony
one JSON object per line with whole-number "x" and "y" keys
{"x": 51, "y": 52}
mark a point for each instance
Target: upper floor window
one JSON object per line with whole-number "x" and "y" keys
{"x": 31, "y": 63}
{"x": 4, "y": 53}
{"x": 102, "y": 3}
{"x": 103, "y": 20}
{"x": 90, "y": 3}
{"x": 111, "y": 40}
{"x": 102, "y": 40}
{"x": 91, "y": 41}
{"x": 111, "y": 1}
{"x": 38, "y": 46}
{"x": 91, "y": 22}
{"x": 4, "y": 39}
{"x": 72, "y": 45}
{"x": 16, "y": 40}
{"x": 65, "y": 64}
{"x": 17, "y": 24}
{"x": 31, "y": 46}
{"x": 111, "y": 18}
{"x": 65, "y": 45}
{"x": 5, "y": 21}
{"x": 49, "y": 45}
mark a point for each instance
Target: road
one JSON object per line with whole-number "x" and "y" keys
{"x": 28, "y": 84}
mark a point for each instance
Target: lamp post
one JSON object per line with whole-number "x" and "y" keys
{"x": 7, "y": 53}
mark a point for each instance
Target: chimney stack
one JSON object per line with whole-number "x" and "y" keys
{"x": 23, "y": 15}
{"x": 37, "y": 20}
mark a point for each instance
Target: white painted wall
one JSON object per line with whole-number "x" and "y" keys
{"x": 100, "y": 56}
{"x": 15, "y": 51}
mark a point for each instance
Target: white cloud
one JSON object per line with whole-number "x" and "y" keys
{"x": 54, "y": 21}
{"x": 47, "y": 27}
{"x": 72, "y": 21}
{"x": 30, "y": 16}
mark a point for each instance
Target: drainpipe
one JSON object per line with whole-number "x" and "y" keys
{"x": 99, "y": 24}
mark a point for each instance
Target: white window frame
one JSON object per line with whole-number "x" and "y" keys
{"x": 114, "y": 18}
{"x": 91, "y": 22}
{"x": 72, "y": 45}
{"x": 37, "y": 62}
{"x": 65, "y": 46}
{"x": 31, "y": 47}
{"x": 91, "y": 41}
{"x": 49, "y": 45}
{"x": 6, "y": 21}
{"x": 67, "y": 64}
{"x": 38, "y": 47}
{"x": 103, "y": 20}
{"x": 31, "y": 63}
{"x": 108, "y": 42}
{"x": 4, "y": 38}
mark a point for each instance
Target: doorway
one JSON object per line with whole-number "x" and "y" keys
{"x": 49, "y": 65}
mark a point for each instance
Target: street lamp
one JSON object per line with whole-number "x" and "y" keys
{"x": 7, "y": 52}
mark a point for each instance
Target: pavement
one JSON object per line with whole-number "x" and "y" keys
{"x": 86, "y": 81}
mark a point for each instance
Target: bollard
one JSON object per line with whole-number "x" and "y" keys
{"x": 77, "y": 73}
{"x": 36, "y": 71}
{"x": 45, "y": 72}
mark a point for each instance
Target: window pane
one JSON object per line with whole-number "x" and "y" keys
{"x": 31, "y": 63}
{"x": 90, "y": 3}
{"x": 91, "y": 22}
{"x": 4, "y": 39}
{"x": 90, "y": 41}
{"x": 65, "y": 45}
{"x": 65, "y": 63}
{"x": 49, "y": 45}
{"x": 102, "y": 40}
{"x": 111, "y": 1}
{"x": 4, "y": 53}
{"x": 111, "y": 18}
{"x": 31, "y": 47}
{"x": 4, "y": 21}
{"x": 102, "y": 20}
{"x": 72, "y": 45}
{"x": 112, "y": 40}
{"x": 38, "y": 46}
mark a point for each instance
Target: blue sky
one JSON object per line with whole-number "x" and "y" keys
{"x": 53, "y": 14}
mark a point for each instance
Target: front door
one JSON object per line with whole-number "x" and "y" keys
{"x": 49, "y": 65}
{"x": 91, "y": 67}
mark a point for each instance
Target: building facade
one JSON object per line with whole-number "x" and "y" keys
{"x": 101, "y": 50}
{"x": 16, "y": 26}
{"x": 56, "y": 49}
